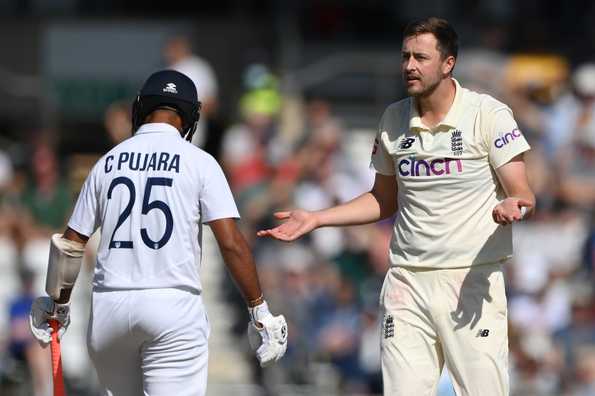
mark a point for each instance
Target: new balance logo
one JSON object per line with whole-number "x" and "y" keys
{"x": 406, "y": 143}
{"x": 171, "y": 88}
{"x": 388, "y": 326}
{"x": 483, "y": 333}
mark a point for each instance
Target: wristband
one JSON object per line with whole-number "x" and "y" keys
{"x": 259, "y": 312}
{"x": 256, "y": 301}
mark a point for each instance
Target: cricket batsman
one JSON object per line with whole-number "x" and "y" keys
{"x": 150, "y": 195}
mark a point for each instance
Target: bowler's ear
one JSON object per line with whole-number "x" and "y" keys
{"x": 448, "y": 65}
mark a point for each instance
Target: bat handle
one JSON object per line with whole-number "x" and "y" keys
{"x": 57, "y": 376}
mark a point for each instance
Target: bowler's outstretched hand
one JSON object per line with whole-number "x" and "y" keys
{"x": 297, "y": 223}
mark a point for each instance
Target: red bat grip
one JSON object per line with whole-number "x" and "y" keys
{"x": 57, "y": 376}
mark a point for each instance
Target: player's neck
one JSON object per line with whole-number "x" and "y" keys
{"x": 166, "y": 117}
{"x": 434, "y": 107}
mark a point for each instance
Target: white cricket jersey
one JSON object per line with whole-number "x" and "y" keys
{"x": 150, "y": 195}
{"x": 447, "y": 186}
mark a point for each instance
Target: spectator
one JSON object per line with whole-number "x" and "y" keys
{"x": 576, "y": 166}
{"x": 47, "y": 196}
{"x": 117, "y": 122}
{"x": 573, "y": 114}
{"x": 22, "y": 346}
{"x": 179, "y": 56}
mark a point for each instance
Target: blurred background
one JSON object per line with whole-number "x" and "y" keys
{"x": 292, "y": 92}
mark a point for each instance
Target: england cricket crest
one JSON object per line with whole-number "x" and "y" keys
{"x": 388, "y": 326}
{"x": 456, "y": 142}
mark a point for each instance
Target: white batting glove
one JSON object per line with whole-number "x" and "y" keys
{"x": 42, "y": 310}
{"x": 267, "y": 334}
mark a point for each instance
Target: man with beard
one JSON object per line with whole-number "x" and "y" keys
{"x": 449, "y": 164}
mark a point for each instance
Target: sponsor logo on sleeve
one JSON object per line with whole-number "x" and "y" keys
{"x": 508, "y": 137}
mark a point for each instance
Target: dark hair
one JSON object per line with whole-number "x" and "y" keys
{"x": 448, "y": 40}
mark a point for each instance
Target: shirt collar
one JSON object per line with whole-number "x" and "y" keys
{"x": 159, "y": 127}
{"x": 451, "y": 119}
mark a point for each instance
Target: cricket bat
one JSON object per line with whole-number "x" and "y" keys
{"x": 57, "y": 376}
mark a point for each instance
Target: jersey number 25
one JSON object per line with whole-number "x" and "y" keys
{"x": 147, "y": 207}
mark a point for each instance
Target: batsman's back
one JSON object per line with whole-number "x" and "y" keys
{"x": 150, "y": 195}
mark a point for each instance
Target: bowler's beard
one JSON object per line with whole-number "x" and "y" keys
{"x": 426, "y": 91}
{"x": 429, "y": 89}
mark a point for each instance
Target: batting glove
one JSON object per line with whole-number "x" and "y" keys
{"x": 43, "y": 310}
{"x": 267, "y": 334}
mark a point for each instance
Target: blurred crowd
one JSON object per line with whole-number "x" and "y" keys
{"x": 282, "y": 152}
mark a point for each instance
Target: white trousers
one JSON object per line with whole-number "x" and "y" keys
{"x": 150, "y": 342}
{"x": 456, "y": 317}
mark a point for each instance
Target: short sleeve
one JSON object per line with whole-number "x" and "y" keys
{"x": 381, "y": 161}
{"x": 216, "y": 200}
{"x": 85, "y": 217}
{"x": 504, "y": 137}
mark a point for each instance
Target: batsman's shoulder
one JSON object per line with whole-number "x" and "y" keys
{"x": 202, "y": 162}
{"x": 196, "y": 151}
